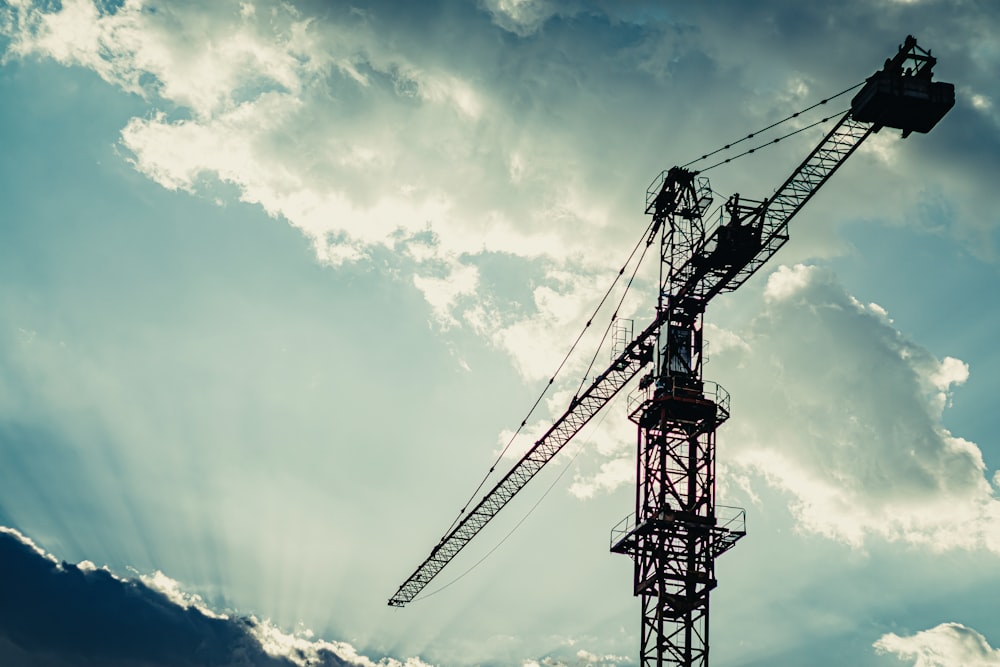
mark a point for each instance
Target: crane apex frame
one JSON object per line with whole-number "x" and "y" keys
{"x": 677, "y": 531}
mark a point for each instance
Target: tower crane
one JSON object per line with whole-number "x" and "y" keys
{"x": 677, "y": 531}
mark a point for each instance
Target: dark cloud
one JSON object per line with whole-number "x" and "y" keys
{"x": 56, "y": 614}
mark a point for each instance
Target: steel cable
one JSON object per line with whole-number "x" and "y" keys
{"x": 771, "y": 126}
{"x": 545, "y": 390}
{"x": 774, "y": 141}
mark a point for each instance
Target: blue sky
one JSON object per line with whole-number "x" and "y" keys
{"x": 278, "y": 279}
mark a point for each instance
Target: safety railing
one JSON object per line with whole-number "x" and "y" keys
{"x": 675, "y": 387}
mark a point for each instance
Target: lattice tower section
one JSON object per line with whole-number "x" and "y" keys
{"x": 675, "y": 535}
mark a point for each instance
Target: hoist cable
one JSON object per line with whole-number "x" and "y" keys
{"x": 772, "y": 125}
{"x": 545, "y": 390}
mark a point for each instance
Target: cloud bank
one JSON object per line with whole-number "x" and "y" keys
{"x": 838, "y": 408}
{"x": 57, "y": 614}
{"x": 453, "y": 133}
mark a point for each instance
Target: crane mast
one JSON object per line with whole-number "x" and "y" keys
{"x": 676, "y": 530}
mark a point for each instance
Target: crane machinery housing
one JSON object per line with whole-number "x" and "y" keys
{"x": 677, "y": 530}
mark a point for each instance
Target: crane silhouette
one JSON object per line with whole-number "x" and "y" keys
{"x": 677, "y": 531}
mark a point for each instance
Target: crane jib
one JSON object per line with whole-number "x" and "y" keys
{"x": 580, "y": 411}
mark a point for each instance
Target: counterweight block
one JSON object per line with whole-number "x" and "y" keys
{"x": 908, "y": 103}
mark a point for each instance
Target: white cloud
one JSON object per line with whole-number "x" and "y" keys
{"x": 612, "y": 474}
{"x": 198, "y": 60}
{"x": 719, "y": 340}
{"x": 246, "y": 76}
{"x": 443, "y": 293}
{"x": 172, "y": 590}
{"x": 582, "y": 658}
{"x": 301, "y": 649}
{"x": 539, "y": 340}
{"x": 87, "y": 566}
{"x": 839, "y": 409}
{"x": 947, "y": 645}
{"x": 786, "y": 282}
{"x": 981, "y": 102}
{"x": 522, "y": 17}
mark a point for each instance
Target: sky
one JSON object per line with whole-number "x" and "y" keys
{"x": 280, "y": 279}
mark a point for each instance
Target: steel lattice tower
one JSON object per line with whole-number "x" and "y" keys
{"x": 675, "y": 535}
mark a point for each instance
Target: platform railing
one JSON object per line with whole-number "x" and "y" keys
{"x": 711, "y": 391}
{"x": 729, "y": 520}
